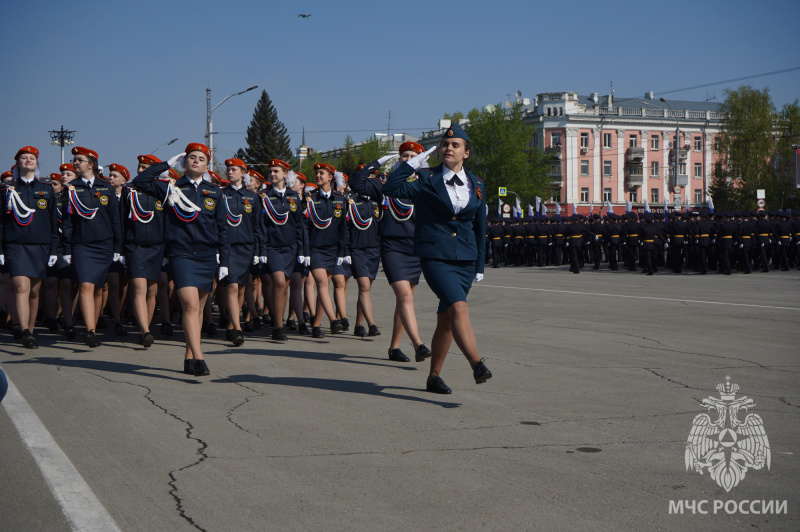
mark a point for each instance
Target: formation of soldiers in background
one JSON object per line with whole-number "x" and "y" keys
{"x": 699, "y": 241}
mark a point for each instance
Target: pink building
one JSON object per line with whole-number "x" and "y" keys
{"x": 619, "y": 149}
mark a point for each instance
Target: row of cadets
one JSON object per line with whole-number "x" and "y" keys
{"x": 285, "y": 245}
{"x": 29, "y": 238}
{"x": 343, "y": 270}
{"x": 401, "y": 267}
{"x": 196, "y": 235}
{"x": 243, "y": 214}
{"x": 450, "y": 239}
{"x": 301, "y": 276}
{"x": 328, "y": 236}
{"x": 91, "y": 235}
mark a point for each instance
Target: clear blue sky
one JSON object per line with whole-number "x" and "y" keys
{"x": 128, "y": 76}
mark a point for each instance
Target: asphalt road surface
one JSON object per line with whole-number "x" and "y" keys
{"x": 598, "y": 378}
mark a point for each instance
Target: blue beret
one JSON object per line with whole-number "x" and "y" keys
{"x": 456, "y": 132}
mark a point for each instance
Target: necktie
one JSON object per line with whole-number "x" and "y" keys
{"x": 455, "y": 181}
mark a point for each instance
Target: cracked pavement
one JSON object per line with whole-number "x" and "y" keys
{"x": 583, "y": 426}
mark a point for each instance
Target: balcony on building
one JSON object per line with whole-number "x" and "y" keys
{"x": 682, "y": 154}
{"x": 555, "y": 176}
{"x": 555, "y": 151}
{"x": 635, "y": 154}
{"x": 682, "y": 180}
{"x": 634, "y": 174}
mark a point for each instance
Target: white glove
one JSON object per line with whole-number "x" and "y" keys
{"x": 174, "y": 160}
{"x": 339, "y": 261}
{"x": 386, "y": 158}
{"x": 741, "y": 246}
{"x": 255, "y": 260}
{"x": 217, "y": 258}
{"x": 51, "y": 261}
{"x": 116, "y": 257}
{"x": 306, "y": 261}
{"x": 416, "y": 162}
{"x": 762, "y": 245}
{"x": 122, "y": 260}
{"x": 164, "y": 261}
{"x": 549, "y": 243}
{"x": 566, "y": 244}
{"x": 478, "y": 278}
{"x": 2, "y": 260}
{"x": 223, "y": 272}
{"x": 779, "y": 242}
{"x": 713, "y": 240}
{"x": 666, "y": 245}
{"x": 68, "y": 258}
{"x": 348, "y": 260}
{"x": 697, "y": 241}
{"x": 301, "y": 259}
{"x": 262, "y": 259}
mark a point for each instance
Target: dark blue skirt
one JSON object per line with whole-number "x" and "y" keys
{"x": 90, "y": 262}
{"x": 299, "y": 268}
{"x": 281, "y": 260}
{"x": 239, "y": 262}
{"x": 195, "y": 271}
{"x": 116, "y": 267}
{"x": 343, "y": 269}
{"x": 365, "y": 262}
{"x": 449, "y": 280}
{"x": 400, "y": 266}
{"x": 144, "y": 261}
{"x": 27, "y": 260}
{"x": 324, "y": 258}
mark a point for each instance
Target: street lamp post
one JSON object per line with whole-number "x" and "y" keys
{"x": 62, "y": 137}
{"x": 676, "y": 144}
{"x": 170, "y": 143}
{"x": 210, "y": 124}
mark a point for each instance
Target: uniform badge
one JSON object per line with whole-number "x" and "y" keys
{"x": 377, "y": 212}
{"x": 159, "y": 207}
{"x": 42, "y": 203}
{"x": 338, "y": 213}
{"x": 209, "y": 204}
{"x": 412, "y": 178}
{"x": 248, "y": 208}
{"x": 292, "y": 206}
{"x": 478, "y": 192}
{"x": 103, "y": 200}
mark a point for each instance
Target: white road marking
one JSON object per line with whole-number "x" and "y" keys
{"x": 635, "y": 297}
{"x": 81, "y": 507}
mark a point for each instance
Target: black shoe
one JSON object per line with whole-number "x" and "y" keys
{"x": 373, "y": 330}
{"x": 481, "y": 372}
{"x": 229, "y": 335}
{"x": 316, "y": 332}
{"x": 345, "y": 324}
{"x": 248, "y": 326}
{"x": 279, "y": 335}
{"x": 210, "y": 329}
{"x": 188, "y": 366}
{"x": 101, "y": 323}
{"x": 306, "y": 317}
{"x": 291, "y": 325}
{"x": 224, "y": 321}
{"x": 119, "y": 330}
{"x": 336, "y": 327}
{"x": 69, "y": 332}
{"x": 28, "y": 340}
{"x": 437, "y": 385}
{"x": 16, "y": 332}
{"x": 51, "y": 324}
{"x": 91, "y": 339}
{"x": 397, "y": 355}
{"x": 267, "y": 320}
{"x": 146, "y": 339}
{"x": 201, "y": 368}
{"x": 359, "y": 330}
{"x": 302, "y": 330}
{"x": 166, "y": 329}
{"x": 257, "y": 323}
{"x": 238, "y": 338}
{"x": 422, "y": 352}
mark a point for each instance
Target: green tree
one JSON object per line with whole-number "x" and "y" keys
{"x": 372, "y": 149}
{"x": 267, "y": 137}
{"x": 454, "y": 117}
{"x": 789, "y": 136}
{"x": 347, "y": 161}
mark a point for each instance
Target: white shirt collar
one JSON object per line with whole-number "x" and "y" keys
{"x": 195, "y": 182}
{"x": 326, "y": 194}
{"x": 28, "y": 181}
{"x": 89, "y": 182}
{"x": 448, "y": 174}
{"x": 280, "y": 191}
{"x": 234, "y": 187}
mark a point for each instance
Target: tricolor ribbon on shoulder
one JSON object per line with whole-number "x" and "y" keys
{"x": 399, "y": 210}
{"x": 233, "y": 219}
{"x": 184, "y": 208}
{"x": 272, "y": 214}
{"x": 14, "y": 204}
{"x": 359, "y": 222}
{"x": 138, "y": 213}
{"x": 75, "y": 205}
{"x": 319, "y": 223}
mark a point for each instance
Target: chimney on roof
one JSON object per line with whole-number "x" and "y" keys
{"x": 595, "y": 97}
{"x": 610, "y": 100}
{"x": 649, "y": 95}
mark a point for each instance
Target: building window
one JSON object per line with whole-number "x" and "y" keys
{"x": 698, "y": 144}
{"x": 682, "y": 169}
{"x": 718, "y": 169}
{"x": 633, "y": 141}
{"x": 585, "y": 140}
{"x": 698, "y": 196}
{"x": 634, "y": 196}
{"x": 584, "y": 167}
{"x": 555, "y": 139}
{"x": 555, "y": 195}
{"x": 607, "y": 195}
{"x": 654, "y": 141}
{"x": 698, "y": 170}
{"x": 584, "y": 195}
{"x": 607, "y": 168}
{"x": 653, "y": 168}
{"x": 717, "y": 144}
{"x": 653, "y": 195}
{"x": 607, "y": 141}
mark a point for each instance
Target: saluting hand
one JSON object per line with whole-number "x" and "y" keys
{"x": 174, "y": 160}
{"x": 417, "y": 162}
{"x": 386, "y": 158}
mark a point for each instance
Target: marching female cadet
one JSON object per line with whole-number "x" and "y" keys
{"x": 67, "y": 289}
{"x": 51, "y": 303}
{"x": 117, "y": 280}
{"x": 244, "y": 236}
{"x": 196, "y": 235}
{"x": 92, "y": 235}
{"x": 143, "y": 221}
{"x": 299, "y": 277}
{"x": 327, "y": 241}
{"x": 284, "y": 238}
{"x": 343, "y": 271}
{"x": 29, "y": 238}
{"x": 401, "y": 266}
{"x": 449, "y": 238}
